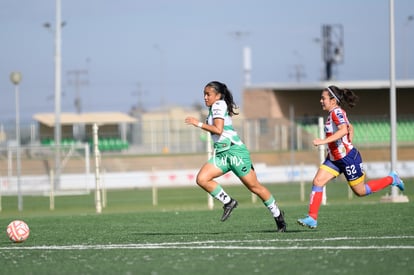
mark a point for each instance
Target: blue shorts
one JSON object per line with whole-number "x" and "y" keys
{"x": 351, "y": 165}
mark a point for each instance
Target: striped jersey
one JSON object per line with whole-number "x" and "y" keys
{"x": 340, "y": 148}
{"x": 229, "y": 135}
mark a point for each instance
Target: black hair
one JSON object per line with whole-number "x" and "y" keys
{"x": 343, "y": 95}
{"x": 226, "y": 95}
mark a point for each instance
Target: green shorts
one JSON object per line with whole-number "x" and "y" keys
{"x": 236, "y": 159}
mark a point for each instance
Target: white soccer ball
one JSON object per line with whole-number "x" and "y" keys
{"x": 18, "y": 231}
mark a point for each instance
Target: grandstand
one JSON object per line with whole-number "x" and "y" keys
{"x": 77, "y": 128}
{"x": 274, "y": 100}
{"x": 372, "y": 132}
{"x": 299, "y": 102}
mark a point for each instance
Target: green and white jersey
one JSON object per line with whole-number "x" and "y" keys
{"x": 229, "y": 135}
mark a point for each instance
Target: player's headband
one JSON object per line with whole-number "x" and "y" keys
{"x": 333, "y": 94}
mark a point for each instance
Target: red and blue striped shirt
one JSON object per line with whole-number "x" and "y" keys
{"x": 337, "y": 149}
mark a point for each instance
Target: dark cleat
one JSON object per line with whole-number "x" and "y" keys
{"x": 280, "y": 222}
{"x": 228, "y": 208}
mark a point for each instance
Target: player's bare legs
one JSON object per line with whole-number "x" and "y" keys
{"x": 251, "y": 182}
{"x": 205, "y": 179}
{"x": 206, "y": 175}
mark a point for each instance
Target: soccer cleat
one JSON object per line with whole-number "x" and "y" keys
{"x": 228, "y": 208}
{"x": 309, "y": 222}
{"x": 280, "y": 222}
{"x": 396, "y": 181}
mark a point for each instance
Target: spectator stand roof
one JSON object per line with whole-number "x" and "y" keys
{"x": 48, "y": 119}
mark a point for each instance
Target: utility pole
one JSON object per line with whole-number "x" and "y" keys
{"x": 298, "y": 69}
{"x": 333, "y": 47}
{"x": 58, "y": 91}
{"x": 298, "y": 72}
{"x": 77, "y": 81}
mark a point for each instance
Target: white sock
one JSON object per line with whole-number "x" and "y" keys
{"x": 272, "y": 206}
{"x": 222, "y": 196}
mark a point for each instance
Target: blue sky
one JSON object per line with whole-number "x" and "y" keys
{"x": 169, "y": 49}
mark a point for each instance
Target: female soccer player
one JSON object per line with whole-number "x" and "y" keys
{"x": 230, "y": 154}
{"x": 342, "y": 156}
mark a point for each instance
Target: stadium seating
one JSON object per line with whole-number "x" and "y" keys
{"x": 111, "y": 144}
{"x": 104, "y": 144}
{"x": 374, "y": 132}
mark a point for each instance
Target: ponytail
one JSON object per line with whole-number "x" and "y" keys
{"x": 226, "y": 95}
{"x": 343, "y": 95}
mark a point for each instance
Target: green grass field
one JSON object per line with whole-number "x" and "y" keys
{"x": 181, "y": 236}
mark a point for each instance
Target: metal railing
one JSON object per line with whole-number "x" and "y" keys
{"x": 173, "y": 136}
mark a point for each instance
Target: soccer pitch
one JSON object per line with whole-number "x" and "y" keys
{"x": 181, "y": 236}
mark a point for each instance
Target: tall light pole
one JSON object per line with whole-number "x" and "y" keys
{"x": 58, "y": 92}
{"x": 395, "y": 196}
{"x": 58, "y": 88}
{"x": 247, "y": 65}
{"x": 393, "y": 113}
{"x": 15, "y": 78}
{"x": 246, "y": 59}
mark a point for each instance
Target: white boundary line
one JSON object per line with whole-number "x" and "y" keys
{"x": 229, "y": 247}
{"x": 229, "y": 244}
